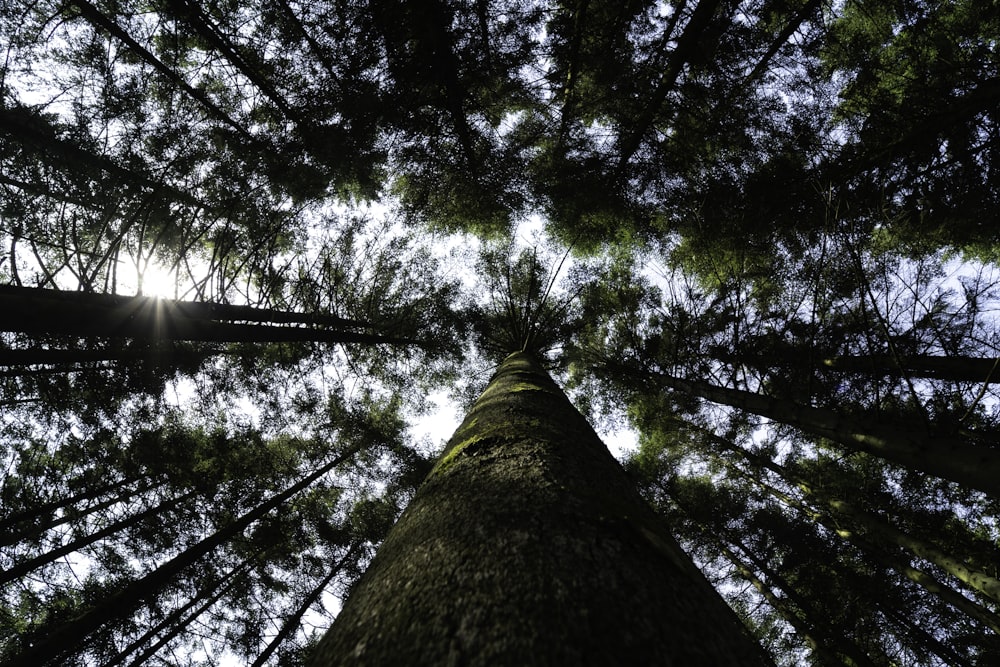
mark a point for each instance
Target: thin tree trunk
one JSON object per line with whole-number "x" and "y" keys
{"x": 837, "y": 640}
{"x": 24, "y": 567}
{"x": 817, "y": 634}
{"x": 173, "y": 621}
{"x": 958, "y": 369}
{"x": 930, "y": 584}
{"x": 192, "y": 14}
{"x": 975, "y": 467}
{"x": 43, "y": 190}
{"x": 14, "y": 537}
{"x": 893, "y": 561}
{"x": 924, "y": 638}
{"x": 685, "y": 50}
{"x": 896, "y": 562}
{"x": 314, "y": 46}
{"x": 294, "y": 621}
{"x": 74, "y": 360}
{"x": 572, "y": 75}
{"x": 46, "y": 508}
{"x": 794, "y": 23}
{"x": 862, "y": 155}
{"x": 27, "y": 127}
{"x": 878, "y": 527}
{"x": 68, "y": 636}
{"x": 528, "y": 545}
{"x": 99, "y": 20}
{"x": 954, "y": 368}
{"x": 825, "y": 639}
{"x": 48, "y": 311}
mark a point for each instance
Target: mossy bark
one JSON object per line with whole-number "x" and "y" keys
{"x": 528, "y": 545}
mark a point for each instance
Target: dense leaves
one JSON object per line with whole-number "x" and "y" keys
{"x": 770, "y": 248}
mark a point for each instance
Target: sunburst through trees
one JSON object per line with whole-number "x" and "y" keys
{"x": 241, "y": 244}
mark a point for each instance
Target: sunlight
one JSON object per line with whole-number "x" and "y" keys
{"x": 156, "y": 280}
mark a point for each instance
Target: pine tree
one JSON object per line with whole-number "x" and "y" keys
{"x": 773, "y": 256}
{"x": 527, "y": 544}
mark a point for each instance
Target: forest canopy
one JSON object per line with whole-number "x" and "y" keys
{"x": 245, "y": 246}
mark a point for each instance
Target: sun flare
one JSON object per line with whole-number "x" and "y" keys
{"x": 156, "y": 280}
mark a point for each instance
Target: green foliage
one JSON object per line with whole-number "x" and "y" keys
{"x": 790, "y": 198}
{"x": 526, "y": 310}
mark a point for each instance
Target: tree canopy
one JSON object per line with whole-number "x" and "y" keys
{"x": 245, "y": 245}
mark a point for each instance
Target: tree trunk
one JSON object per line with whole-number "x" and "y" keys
{"x": 945, "y": 456}
{"x": 28, "y": 565}
{"x": 176, "y": 621}
{"x": 528, "y": 545}
{"x": 686, "y": 49}
{"x": 43, "y": 511}
{"x": 875, "y": 526}
{"x": 73, "y": 360}
{"x": 293, "y": 622}
{"x": 47, "y": 311}
{"x": 99, "y": 20}
{"x": 921, "y": 636}
{"x": 28, "y": 128}
{"x": 68, "y": 636}
{"x": 790, "y": 28}
{"x": 828, "y": 646}
{"x": 957, "y": 369}
{"x": 888, "y": 557}
{"x": 827, "y": 639}
{"x": 70, "y": 515}
{"x": 194, "y": 16}
{"x": 894, "y": 561}
{"x": 954, "y": 368}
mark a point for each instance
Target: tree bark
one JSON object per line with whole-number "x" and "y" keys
{"x": 528, "y": 545}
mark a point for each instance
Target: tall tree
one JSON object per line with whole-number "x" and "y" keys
{"x": 526, "y": 499}
{"x": 768, "y": 205}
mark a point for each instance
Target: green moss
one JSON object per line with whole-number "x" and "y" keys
{"x": 450, "y": 454}
{"x": 517, "y": 376}
{"x": 511, "y": 387}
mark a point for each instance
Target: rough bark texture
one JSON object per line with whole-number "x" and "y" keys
{"x": 528, "y": 545}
